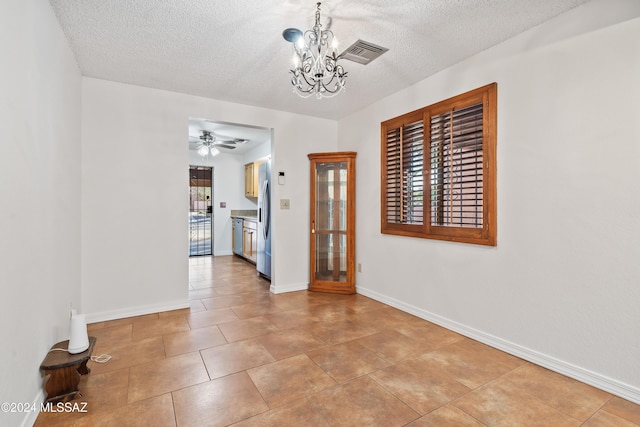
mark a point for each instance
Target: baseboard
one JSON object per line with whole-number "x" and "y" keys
{"x": 586, "y": 376}
{"x": 30, "y": 416}
{"x": 288, "y": 288}
{"x": 223, "y": 253}
{"x": 136, "y": 311}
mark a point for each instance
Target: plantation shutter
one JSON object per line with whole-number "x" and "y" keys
{"x": 456, "y": 150}
{"x": 404, "y": 201}
{"x": 448, "y": 150}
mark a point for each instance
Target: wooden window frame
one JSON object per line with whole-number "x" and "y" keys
{"x": 487, "y": 233}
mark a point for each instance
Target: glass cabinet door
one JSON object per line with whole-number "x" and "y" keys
{"x": 330, "y": 223}
{"x": 332, "y": 211}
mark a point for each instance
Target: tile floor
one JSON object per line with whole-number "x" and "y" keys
{"x": 242, "y": 356}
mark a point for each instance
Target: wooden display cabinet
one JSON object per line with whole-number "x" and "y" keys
{"x": 333, "y": 183}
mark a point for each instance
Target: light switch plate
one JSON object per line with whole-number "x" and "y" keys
{"x": 284, "y": 203}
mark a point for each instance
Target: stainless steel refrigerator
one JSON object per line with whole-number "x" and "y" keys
{"x": 263, "y": 261}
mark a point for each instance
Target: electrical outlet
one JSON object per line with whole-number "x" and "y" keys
{"x": 359, "y": 268}
{"x": 284, "y": 203}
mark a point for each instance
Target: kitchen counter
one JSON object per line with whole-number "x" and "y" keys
{"x": 248, "y": 214}
{"x": 246, "y": 218}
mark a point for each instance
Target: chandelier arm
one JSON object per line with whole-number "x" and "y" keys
{"x": 318, "y": 86}
{"x": 312, "y": 84}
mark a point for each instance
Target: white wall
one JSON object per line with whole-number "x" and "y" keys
{"x": 39, "y": 195}
{"x": 562, "y": 286}
{"x": 258, "y": 153}
{"x": 135, "y": 198}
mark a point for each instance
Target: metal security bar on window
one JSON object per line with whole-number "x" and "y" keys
{"x": 404, "y": 167}
{"x": 457, "y": 168}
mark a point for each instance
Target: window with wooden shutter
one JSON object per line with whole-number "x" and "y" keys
{"x": 452, "y": 157}
{"x": 405, "y": 184}
{"x": 456, "y": 167}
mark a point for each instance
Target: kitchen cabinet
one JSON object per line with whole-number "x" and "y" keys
{"x": 245, "y": 238}
{"x": 250, "y": 240}
{"x": 251, "y": 187}
{"x": 332, "y": 222}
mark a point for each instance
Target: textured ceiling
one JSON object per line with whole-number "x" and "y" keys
{"x": 234, "y": 50}
{"x": 227, "y": 131}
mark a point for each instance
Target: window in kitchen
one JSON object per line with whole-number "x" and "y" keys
{"x": 447, "y": 149}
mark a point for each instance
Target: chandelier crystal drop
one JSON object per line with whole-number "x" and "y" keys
{"x": 316, "y": 70}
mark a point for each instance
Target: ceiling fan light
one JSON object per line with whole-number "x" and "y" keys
{"x": 214, "y": 151}
{"x": 203, "y": 151}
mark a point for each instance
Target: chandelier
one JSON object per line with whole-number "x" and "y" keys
{"x": 316, "y": 70}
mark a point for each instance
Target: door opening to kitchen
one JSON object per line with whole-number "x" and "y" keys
{"x": 200, "y": 210}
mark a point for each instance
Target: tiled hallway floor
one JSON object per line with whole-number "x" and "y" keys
{"x": 243, "y": 356}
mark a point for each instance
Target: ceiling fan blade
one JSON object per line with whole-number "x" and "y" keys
{"x": 231, "y": 147}
{"x": 234, "y": 141}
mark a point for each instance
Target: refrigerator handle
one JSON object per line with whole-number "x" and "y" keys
{"x": 267, "y": 213}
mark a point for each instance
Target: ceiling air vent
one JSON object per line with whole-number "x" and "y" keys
{"x": 363, "y": 52}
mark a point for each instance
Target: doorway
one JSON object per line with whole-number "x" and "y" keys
{"x": 200, "y": 211}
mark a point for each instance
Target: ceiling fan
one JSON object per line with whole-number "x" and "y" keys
{"x": 209, "y": 143}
